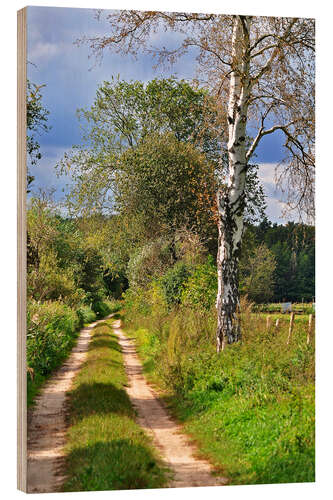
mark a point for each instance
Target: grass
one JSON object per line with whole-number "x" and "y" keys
{"x": 250, "y": 409}
{"x": 253, "y": 441}
{"x": 106, "y": 448}
{"x": 300, "y": 308}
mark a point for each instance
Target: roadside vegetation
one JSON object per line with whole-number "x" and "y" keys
{"x": 251, "y": 409}
{"x": 67, "y": 287}
{"x": 106, "y": 449}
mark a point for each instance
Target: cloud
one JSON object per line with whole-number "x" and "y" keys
{"x": 45, "y": 172}
{"x": 42, "y": 50}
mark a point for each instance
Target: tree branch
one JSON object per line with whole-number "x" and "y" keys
{"x": 262, "y": 132}
{"x": 274, "y": 54}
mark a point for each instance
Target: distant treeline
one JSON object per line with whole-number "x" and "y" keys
{"x": 293, "y": 247}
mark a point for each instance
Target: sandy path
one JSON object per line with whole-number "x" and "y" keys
{"x": 175, "y": 448}
{"x": 47, "y": 422}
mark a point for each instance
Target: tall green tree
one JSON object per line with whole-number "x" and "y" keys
{"x": 125, "y": 114}
{"x": 131, "y": 133}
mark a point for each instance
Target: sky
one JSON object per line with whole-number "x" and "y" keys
{"x": 72, "y": 78}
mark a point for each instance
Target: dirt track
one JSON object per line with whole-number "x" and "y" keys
{"x": 47, "y": 424}
{"x": 173, "y": 445}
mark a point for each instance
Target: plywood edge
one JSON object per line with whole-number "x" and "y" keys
{"x": 21, "y": 251}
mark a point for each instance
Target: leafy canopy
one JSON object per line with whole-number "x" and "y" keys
{"x": 125, "y": 122}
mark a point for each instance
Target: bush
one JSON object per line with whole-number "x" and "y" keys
{"x": 51, "y": 328}
{"x": 148, "y": 262}
{"x": 105, "y": 307}
{"x": 201, "y": 288}
{"x": 85, "y": 315}
{"x": 174, "y": 281}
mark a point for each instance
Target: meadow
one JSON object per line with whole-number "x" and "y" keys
{"x": 250, "y": 409}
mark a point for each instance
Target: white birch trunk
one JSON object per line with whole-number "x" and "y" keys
{"x": 230, "y": 199}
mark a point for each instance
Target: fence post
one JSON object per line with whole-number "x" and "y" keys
{"x": 291, "y": 326}
{"x": 309, "y": 329}
{"x": 268, "y": 322}
{"x": 277, "y": 324}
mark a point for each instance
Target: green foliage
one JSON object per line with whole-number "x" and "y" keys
{"x": 104, "y": 308}
{"x": 64, "y": 261}
{"x": 293, "y": 248}
{"x": 124, "y": 113}
{"x": 49, "y": 282}
{"x": 148, "y": 262}
{"x": 168, "y": 183}
{"x": 157, "y": 147}
{"x": 173, "y": 282}
{"x": 37, "y": 116}
{"x": 90, "y": 278}
{"x": 201, "y": 288}
{"x": 51, "y": 328}
{"x": 258, "y": 275}
{"x": 85, "y": 315}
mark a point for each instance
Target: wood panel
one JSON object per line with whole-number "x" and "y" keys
{"x": 21, "y": 251}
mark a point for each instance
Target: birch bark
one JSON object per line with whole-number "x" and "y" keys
{"x": 230, "y": 199}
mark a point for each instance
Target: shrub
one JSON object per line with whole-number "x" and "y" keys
{"x": 174, "y": 281}
{"x": 148, "y": 262}
{"x": 135, "y": 303}
{"x": 51, "y": 282}
{"x": 51, "y": 328}
{"x": 85, "y": 315}
{"x": 201, "y": 288}
{"x": 105, "y": 307}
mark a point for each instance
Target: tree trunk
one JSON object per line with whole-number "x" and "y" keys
{"x": 230, "y": 198}
{"x": 230, "y": 232}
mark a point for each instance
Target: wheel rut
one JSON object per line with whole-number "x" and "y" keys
{"x": 175, "y": 448}
{"x": 47, "y": 425}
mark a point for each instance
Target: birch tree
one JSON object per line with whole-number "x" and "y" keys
{"x": 261, "y": 71}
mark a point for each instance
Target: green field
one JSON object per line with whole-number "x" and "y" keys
{"x": 249, "y": 409}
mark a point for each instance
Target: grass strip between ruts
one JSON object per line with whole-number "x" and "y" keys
{"x": 106, "y": 449}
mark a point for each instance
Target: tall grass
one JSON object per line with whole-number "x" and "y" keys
{"x": 251, "y": 408}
